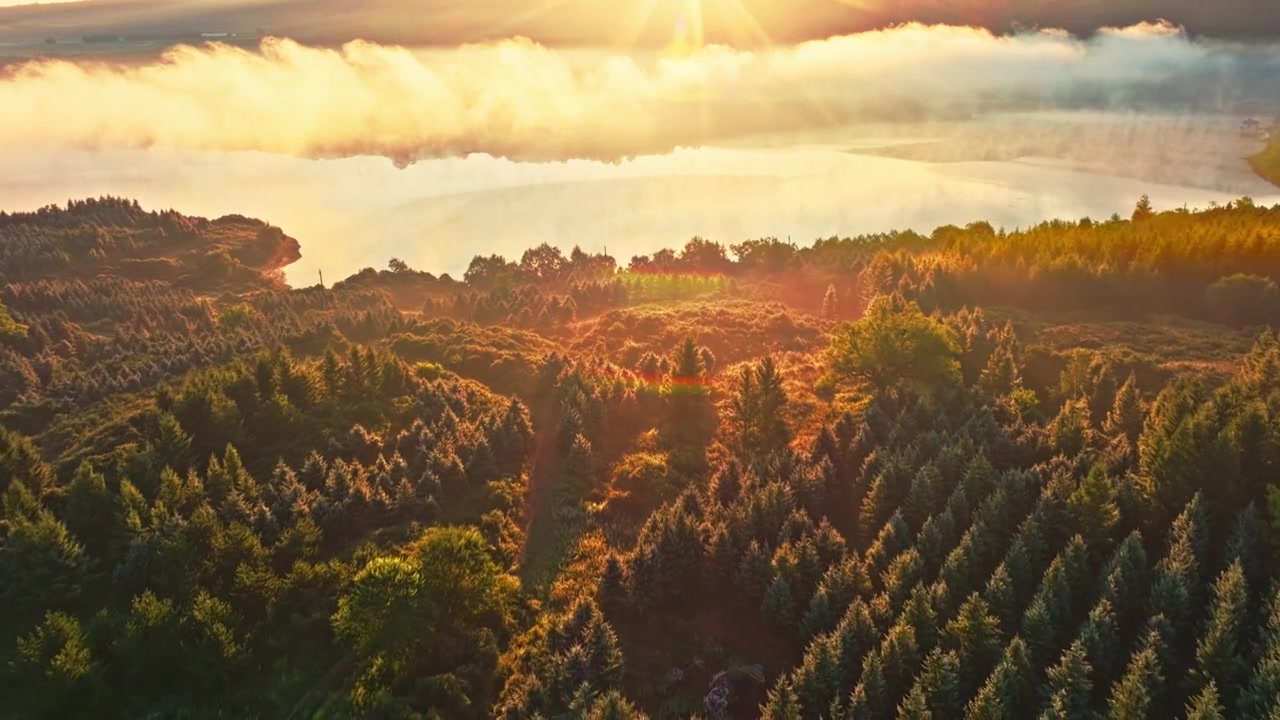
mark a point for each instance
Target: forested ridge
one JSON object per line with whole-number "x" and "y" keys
{"x": 979, "y": 473}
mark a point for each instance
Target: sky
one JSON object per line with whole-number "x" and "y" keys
{"x": 647, "y": 22}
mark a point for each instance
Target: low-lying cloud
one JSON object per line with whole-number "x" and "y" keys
{"x": 519, "y": 100}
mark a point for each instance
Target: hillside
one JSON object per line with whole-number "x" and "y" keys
{"x": 978, "y": 473}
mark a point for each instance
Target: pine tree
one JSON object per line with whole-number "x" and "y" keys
{"x": 901, "y": 653}
{"x": 1069, "y": 686}
{"x": 782, "y": 704}
{"x": 1125, "y": 580}
{"x": 90, "y": 515}
{"x": 940, "y": 684}
{"x": 976, "y": 637}
{"x": 1206, "y": 705}
{"x": 819, "y": 678}
{"x": 915, "y": 706}
{"x": 1126, "y": 417}
{"x": 1002, "y": 375}
{"x": 688, "y": 363}
{"x": 1137, "y": 693}
{"x": 59, "y": 675}
{"x": 580, "y": 466}
{"x": 1260, "y": 697}
{"x": 613, "y": 583}
{"x": 1094, "y": 510}
{"x": 1143, "y": 211}
{"x": 778, "y": 604}
{"x": 1101, "y": 640}
{"x": 1219, "y": 651}
{"x": 871, "y": 697}
{"x": 1010, "y": 692}
{"x": 998, "y": 596}
{"x": 755, "y": 573}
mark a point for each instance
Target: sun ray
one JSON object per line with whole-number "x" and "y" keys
{"x": 631, "y": 33}
{"x": 535, "y": 11}
{"x": 748, "y": 19}
{"x": 761, "y": 36}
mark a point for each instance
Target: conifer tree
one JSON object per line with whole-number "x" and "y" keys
{"x": 1010, "y": 693}
{"x": 782, "y": 704}
{"x": 915, "y": 706}
{"x": 1101, "y": 640}
{"x": 1219, "y": 651}
{"x": 1137, "y": 693}
{"x": 1002, "y": 375}
{"x": 1206, "y": 705}
{"x": 1124, "y": 421}
{"x": 976, "y": 637}
{"x": 778, "y": 604}
{"x": 1094, "y": 509}
{"x": 939, "y": 682}
{"x": 1070, "y": 687}
{"x": 819, "y": 679}
{"x": 871, "y": 697}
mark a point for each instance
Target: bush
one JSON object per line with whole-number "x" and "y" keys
{"x": 1243, "y": 300}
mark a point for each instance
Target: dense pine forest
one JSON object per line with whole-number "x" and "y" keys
{"x": 980, "y": 473}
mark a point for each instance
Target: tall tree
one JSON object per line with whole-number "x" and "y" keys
{"x": 1070, "y": 687}
{"x": 1220, "y": 649}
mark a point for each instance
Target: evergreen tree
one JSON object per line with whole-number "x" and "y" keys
{"x": 1125, "y": 420}
{"x": 1069, "y": 686}
{"x": 1101, "y": 640}
{"x": 998, "y": 595}
{"x": 915, "y": 706}
{"x": 1206, "y": 705}
{"x": 1094, "y": 509}
{"x": 59, "y": 675}
{"x": 975, "y": 635}
{"x": 871, "y": 696}
{"x": 1010, "y": 693}
{"x": 1002, "y": 375}
{"x": 819, "y": 679}
{"x": 939, "y": 683}
{"x": 1219, "y": 651}
{"x": 1137, "y": 694}
{"x": 782, "y": 704}
{"x": 778, "y": 604}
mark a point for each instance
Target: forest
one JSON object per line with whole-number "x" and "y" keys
{"x": 981, "y": 473}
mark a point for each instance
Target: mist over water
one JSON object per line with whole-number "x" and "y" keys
{"x": 437, "y": 214}
{"x": 506, "y": 145}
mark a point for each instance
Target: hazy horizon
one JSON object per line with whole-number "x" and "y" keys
{"x": 508, "y": 144}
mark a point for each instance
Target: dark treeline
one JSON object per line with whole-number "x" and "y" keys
{"x": 853, "y": 480}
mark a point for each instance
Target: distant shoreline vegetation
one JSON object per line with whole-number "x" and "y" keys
{"x": 1267, "y": 163}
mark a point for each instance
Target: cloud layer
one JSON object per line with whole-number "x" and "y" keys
{"x": 522, "y": 101}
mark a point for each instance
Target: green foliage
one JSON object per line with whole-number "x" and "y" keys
{"x": 227, "y": 498}
{"x": 1069, "y": 687}
{"x": 895, "y": 343}
{"x": 1243, "y": 299}
{"x": 10, "y": 329}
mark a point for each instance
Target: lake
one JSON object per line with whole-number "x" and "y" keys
{"x": 436, "y": 215}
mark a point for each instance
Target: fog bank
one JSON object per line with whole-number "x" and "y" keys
{"x": 519, "y": 100}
